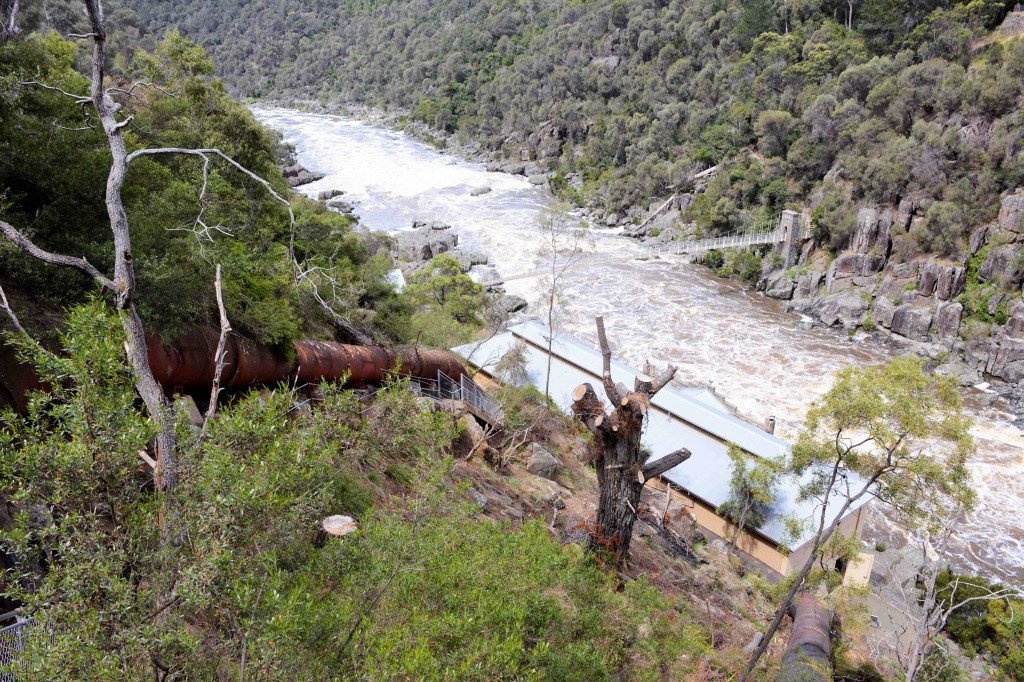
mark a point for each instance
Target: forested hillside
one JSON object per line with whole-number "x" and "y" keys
{"x": 896, "y": 128}
{"x": 883, "y": 98}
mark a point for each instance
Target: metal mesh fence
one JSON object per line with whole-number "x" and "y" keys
{"x": 12, "y": 644}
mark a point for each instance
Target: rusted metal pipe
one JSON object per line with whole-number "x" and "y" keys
{"x": 189, "y": 363}
{"x": 808, "y": 656}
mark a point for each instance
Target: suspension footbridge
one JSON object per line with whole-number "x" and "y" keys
{"x": 788, "y": 227}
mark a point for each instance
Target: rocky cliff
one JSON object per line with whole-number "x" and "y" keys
{"x": 969, "y": 305}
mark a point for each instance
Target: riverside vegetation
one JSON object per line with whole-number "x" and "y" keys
{"x": 441, "y": 581}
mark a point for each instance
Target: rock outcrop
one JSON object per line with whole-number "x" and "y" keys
{"x": 927, "y": 299}
{"x": 542, "y": 463}
{"x": 423, "y": 243}
{"x": 297, "y": 174}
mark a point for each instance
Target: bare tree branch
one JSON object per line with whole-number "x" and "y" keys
{"x": 26, "y": 245}
{"x": 10, "y": 313}
{"x": 220, "y": 356}
{"x": 130, "y": 91}
{"x": 662, "y": 380}
{"x": 79, "y": 99}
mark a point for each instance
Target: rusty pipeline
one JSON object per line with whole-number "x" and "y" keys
{"x": 808, "y": 656}
{"x": 189, "y": 363}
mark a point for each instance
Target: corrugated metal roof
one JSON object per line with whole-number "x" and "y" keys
{"x": 690, "y": 417}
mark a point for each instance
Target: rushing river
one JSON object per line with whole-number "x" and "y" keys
{"x": 759, "y": 357}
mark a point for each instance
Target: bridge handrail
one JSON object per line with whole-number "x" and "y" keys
{"x": 12, "y": 644}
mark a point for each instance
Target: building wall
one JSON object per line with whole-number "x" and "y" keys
{"x": 853, "y": 524}
{"x": 759, "y": 548}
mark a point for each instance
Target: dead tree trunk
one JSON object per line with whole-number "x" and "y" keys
{"x": 616, "y": 452}
{"x": 10, "y": 29}
{"x": 122, "y": 285}
{"x": 124, "y": 271}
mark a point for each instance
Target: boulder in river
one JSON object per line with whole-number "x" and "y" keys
{"x": 467, "y": 259}
{"x": 480, "y": 191}
{"x": 432, "y": 225}
{"x": 340, "y": 205}
{"x": 297, "y": 174}
{"x": 423, "y": 243}
{"x": 513, "y": 304}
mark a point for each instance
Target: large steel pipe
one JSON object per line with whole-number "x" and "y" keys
{"x": 190, "y": 363}
{"x": 808, "y": 656}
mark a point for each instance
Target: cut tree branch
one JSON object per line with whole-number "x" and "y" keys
{"x": 660, "y": 466}
{"x": 606, "y": 363}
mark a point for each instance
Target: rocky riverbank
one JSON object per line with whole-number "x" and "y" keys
{"x": 966, "y": 311}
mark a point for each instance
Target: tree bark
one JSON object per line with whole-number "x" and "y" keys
{"x": 11, "y": 28}
{"x": 124, "y": 271}
{"x": 739, "y": 527}
{"x": 616, "y": 450}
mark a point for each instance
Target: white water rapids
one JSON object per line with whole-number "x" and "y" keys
{"x": 759, "y": 357}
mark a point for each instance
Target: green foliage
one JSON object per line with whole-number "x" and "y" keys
{"x": 751, "y": 488}
{"x": 992, "y": 626}
{"x": 834, "y": 219}
{"x": 637, "y": 97}
{"x": 173, "y": 257}
{"x": 873, "y": 422}
{"x": 978, "y": 295}
{"x": 423, "y": 590}
{"x": 449, "y": 304}
{"x": 742, "y": 264}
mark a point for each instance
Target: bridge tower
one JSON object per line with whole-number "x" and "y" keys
{"x": 790, "y": 228}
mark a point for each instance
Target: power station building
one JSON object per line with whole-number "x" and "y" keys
{"x": 695, "y": 418}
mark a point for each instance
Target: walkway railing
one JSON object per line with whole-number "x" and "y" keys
{"x": 12, "y": 644}
{"x": 465, "y": 389}
{"x": 766, "y": 231}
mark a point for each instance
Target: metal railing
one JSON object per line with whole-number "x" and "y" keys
{"x": 443, "y": 387}
{"x": 478, "y": 398}
{"x": 765, "y": 231}
{"x": 12, "y": 644}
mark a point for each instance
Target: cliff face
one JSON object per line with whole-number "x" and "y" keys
{"x": 970, "y": 305}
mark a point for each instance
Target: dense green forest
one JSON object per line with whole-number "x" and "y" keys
{"x": 180, "y": 228}
{"x": 861, "y": 101}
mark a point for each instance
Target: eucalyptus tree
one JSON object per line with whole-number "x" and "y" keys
{"x": 892, "y": 432}
{"x": 752, "y": 486}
